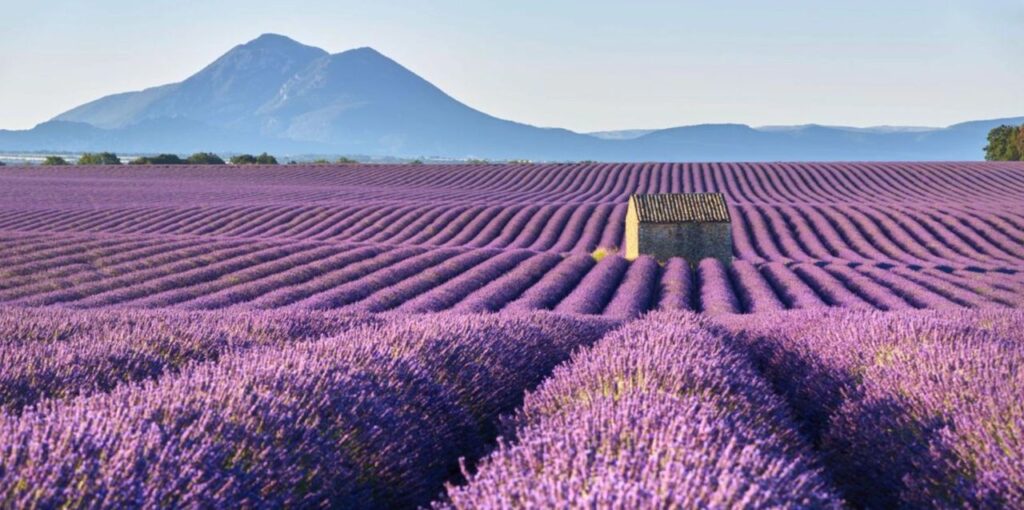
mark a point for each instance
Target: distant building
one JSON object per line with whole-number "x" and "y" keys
{"x": 694, "y": 226}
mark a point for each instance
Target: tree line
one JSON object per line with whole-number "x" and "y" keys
{"x": 199, "y": 158}
{"x": 1005, "y": 143}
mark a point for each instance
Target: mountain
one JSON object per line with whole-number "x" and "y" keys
{"x": 224, "y": 93}
{"x": 621, "y": 134}
{"x": 303, "y": 99}
{"x": 738, "y": 142}
{"x": 871, "y": 129}
{"x": 278, "y": 95}
{"x": 370, "y": 104}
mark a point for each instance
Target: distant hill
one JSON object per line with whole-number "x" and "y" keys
{"x": 622, "y": 134}
{"x": 278, "y": 95}
{"x": 738, "y": 142}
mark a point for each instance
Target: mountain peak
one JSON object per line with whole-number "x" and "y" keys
{"x": 270, "y": 40}
{"x": 365, "y": 54}
{"x": 275, "y": 44}
{"x": 234, "y": 86}
{"x": 270, "y": 36}
{"x": 363, "y": 50}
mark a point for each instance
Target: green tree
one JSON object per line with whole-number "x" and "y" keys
{"x": 249, "y": 159}
{"x": 415, "y": 162}
{"x": 1020, "y": 142}
{"x": 266, "y": 159}
{"x": 1005, "y": 143}
{"x": 99, "y": 158}
{"x": 54, "y": 161}
{"x": 205, "y": 158}
{"x": 320, "y": 161}
{"x": 160, "y": 159}
{"x": 346, "y": 161}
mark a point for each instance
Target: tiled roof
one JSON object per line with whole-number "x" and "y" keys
{"x": 681, "y": 207}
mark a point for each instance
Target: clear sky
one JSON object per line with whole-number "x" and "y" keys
{"x": 584, "y": 65}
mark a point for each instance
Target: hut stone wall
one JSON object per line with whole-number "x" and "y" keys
{"x": 692, "y": 241}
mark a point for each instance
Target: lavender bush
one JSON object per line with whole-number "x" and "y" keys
{"x": 716, "y": 294}
{"x": 597, "y": 287}
{"x": 913, "y": 409}
{"x": 633, "y": 422}
{"x": 54, "y": 353}
{"x": 375, "y": 417}
{"x": 676, "y": 285}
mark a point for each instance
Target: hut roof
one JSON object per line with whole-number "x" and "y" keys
{"x": 681, "y": 208}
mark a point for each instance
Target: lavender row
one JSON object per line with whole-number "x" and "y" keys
{"x": 142, "y": 290}
{"x": 64, "y": 273}
{"x": 53, "y": 353}
{"x": 596, "y": 288}
{"x": 365, "y": 285}
{"x": 329, "y": 276}
{"x": 261, "y": 268}
{"x": 716, "y": 292}
{"x": 271, "y": 284}
{"x": 193, "y": 273}
{"x": 377, "y": 417}
{"x": 139, "y": 283}
{"x": 676, "y": 285}
{"x": 555, "y": 285}
{"x": 916, "y": 183}
{"x": 508, "y": 287}
{"x": 21, "y": 263}
{"x": 912, "y": 409}
{"x": 446, "y": 295}
{"x": 829, "y": 287}
{"x": 660, "y": 414}
{"x": 792, "y": 291}
{"x": 636, "y": 292}
{"x": 753, "y": 292}
{"x": 797, "y": 231}
{"x": 402, "y": 291}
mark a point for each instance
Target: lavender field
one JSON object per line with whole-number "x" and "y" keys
{"x": 470, "y": 336}
{"x": 490, "y": 237}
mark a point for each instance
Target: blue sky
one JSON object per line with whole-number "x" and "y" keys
{"x": 583, "y": 65}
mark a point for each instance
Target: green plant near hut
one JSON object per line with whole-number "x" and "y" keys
{"x": 601, "y": 252}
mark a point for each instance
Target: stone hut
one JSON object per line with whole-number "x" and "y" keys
{"x": 694, "y": 226}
